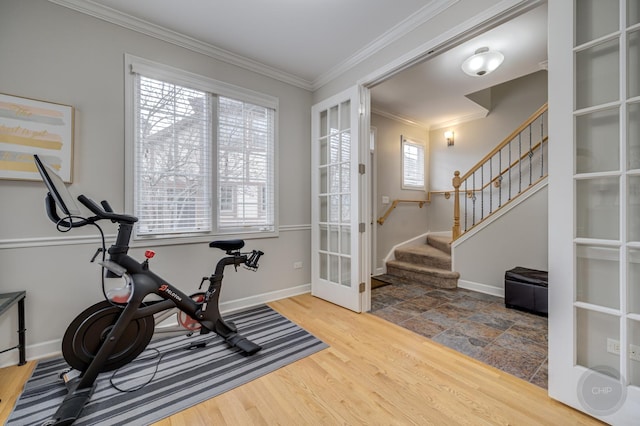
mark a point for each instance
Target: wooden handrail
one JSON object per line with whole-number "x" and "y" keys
{"x": 394, "y": 204}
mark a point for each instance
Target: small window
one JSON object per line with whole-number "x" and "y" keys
{"x": 226, "y": 199}
{"x": 412, "y": 165}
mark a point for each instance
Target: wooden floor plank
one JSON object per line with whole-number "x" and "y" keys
{"x": 374, "y": 372}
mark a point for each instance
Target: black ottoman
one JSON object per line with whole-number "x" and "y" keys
{"x": 526, "y": 289}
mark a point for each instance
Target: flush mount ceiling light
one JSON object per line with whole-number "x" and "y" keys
{"x": 482, "y": 62}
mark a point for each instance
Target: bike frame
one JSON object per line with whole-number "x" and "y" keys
{"x": 143, "y": 283}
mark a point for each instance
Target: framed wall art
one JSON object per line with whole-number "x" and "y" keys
{"x": 29, "y": 126}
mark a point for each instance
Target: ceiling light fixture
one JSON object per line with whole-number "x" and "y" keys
{"x": 482, "y": 62}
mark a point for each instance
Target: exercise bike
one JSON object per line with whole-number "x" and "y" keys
{"x": 112, "y": 333}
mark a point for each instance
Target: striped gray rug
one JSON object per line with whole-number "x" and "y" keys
{"x": 184, "y": 377}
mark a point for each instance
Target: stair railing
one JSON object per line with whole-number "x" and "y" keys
{"x": 513, "y": 166}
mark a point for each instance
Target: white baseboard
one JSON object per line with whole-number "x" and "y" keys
{"x": 481, "y": 288}
{"x": 259, "y": 299}
{"x": 52, "y": 347}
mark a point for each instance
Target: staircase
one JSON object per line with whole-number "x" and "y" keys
{"x": 426, "y": 264}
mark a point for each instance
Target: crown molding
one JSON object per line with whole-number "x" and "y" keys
{"x": 400, "y": 118}
{"x": 108, "y": 14}
{"x": 459, "y": 120}
{"x": 426, "y": 13}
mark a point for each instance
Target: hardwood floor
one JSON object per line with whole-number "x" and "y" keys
{"x": 374, "y": 372}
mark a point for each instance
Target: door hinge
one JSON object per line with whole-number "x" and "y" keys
{"x": 361, "y": 168}
{"x": 362, "y": 227}
{"x": 361, "y": 288}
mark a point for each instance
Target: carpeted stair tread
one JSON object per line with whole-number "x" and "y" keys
{"x": 438, "y": 272}
{"x": 424, "y": 255}
{"x": 441, "y": 242}
{"x": 422, "y": 274}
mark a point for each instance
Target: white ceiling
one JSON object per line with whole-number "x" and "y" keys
{"x": 305, "y": 38}
{"x": 433, "y": 94}
{"x": 307, "y": 41}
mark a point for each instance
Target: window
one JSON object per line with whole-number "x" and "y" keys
{"x": 412, "y": 165}
{"x": 226, "y": 199}
{"x": 200, "y": 154}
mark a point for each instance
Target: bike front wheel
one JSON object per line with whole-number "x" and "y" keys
{"x": 88, "y": 331}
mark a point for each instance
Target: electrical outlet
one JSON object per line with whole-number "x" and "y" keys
{"x": 634, "y": 352}
{"x": 297, "y": 265}
{"x": 613, "y": 346}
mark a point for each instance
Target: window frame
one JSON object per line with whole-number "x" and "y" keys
{"x": 135, "y": 65}
{"x": 421, "y": 146}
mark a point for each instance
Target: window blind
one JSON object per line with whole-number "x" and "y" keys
{"x": 172, "y": 158}
{"x": 412, "y": 165}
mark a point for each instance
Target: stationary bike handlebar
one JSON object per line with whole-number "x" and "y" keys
{"x": 104, "y": 212}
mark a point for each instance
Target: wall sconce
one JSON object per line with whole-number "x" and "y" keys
{"x": 448, "y": 135}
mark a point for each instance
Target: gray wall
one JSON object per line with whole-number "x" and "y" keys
{"x": 517, "y": 238}
{"x": 407, "y": 220}
{"x": 55, "y": 54}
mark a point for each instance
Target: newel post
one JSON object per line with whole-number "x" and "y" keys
{"x": 456, "y": 204}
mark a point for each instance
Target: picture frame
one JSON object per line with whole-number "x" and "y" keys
{"x": 31, "y": 126}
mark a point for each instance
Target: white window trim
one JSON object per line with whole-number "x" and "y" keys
{"x": 134, "y": 64}
{"x": 421, "y": 145}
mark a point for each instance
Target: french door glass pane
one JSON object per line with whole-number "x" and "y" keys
{"x": 633, "y": 12}
{"x": 597, "y": 74}
{"x": 345, "y": 115}
{"x": 597, "y": 18}
{"x": 324, "y": 238}
{"x": 345, "y": 264}
{"x": 597, "y": 208}
{"x": 334, "y": 125}
{"x": 592, "y": 331}
{"x": 323, "y": 151}
{"x": 633, "y": 136}
{"x": 633, "y": 208}
{"x": 634, "y": 364}
{"x": 324, "y": 266}
{"x": 333, "y": 239}
{"x": 633, "y": 64}
{"x": 334, "y": 271}
{"x": 633, "y": 283}
{"x": 323, "y": 125}
{"x": 345, "y": 245}
{"x": 597, "y": 146}
{"x": 598, "y": 276}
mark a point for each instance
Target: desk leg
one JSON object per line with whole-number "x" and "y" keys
{"x": 21, "y": 332}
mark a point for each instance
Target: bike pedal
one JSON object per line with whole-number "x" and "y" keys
{"x": 69, "y": 375}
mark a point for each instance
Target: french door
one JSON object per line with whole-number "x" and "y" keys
{"x": 338, "y": 238}
{"x": 594, "y": 207}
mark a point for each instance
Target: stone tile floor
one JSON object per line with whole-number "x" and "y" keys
{"x": 472, "y": 323}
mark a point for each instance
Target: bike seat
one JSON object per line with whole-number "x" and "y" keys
{"x": 227, "y": 245}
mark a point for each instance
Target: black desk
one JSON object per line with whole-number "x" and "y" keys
{"x": 7, "y": 300}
